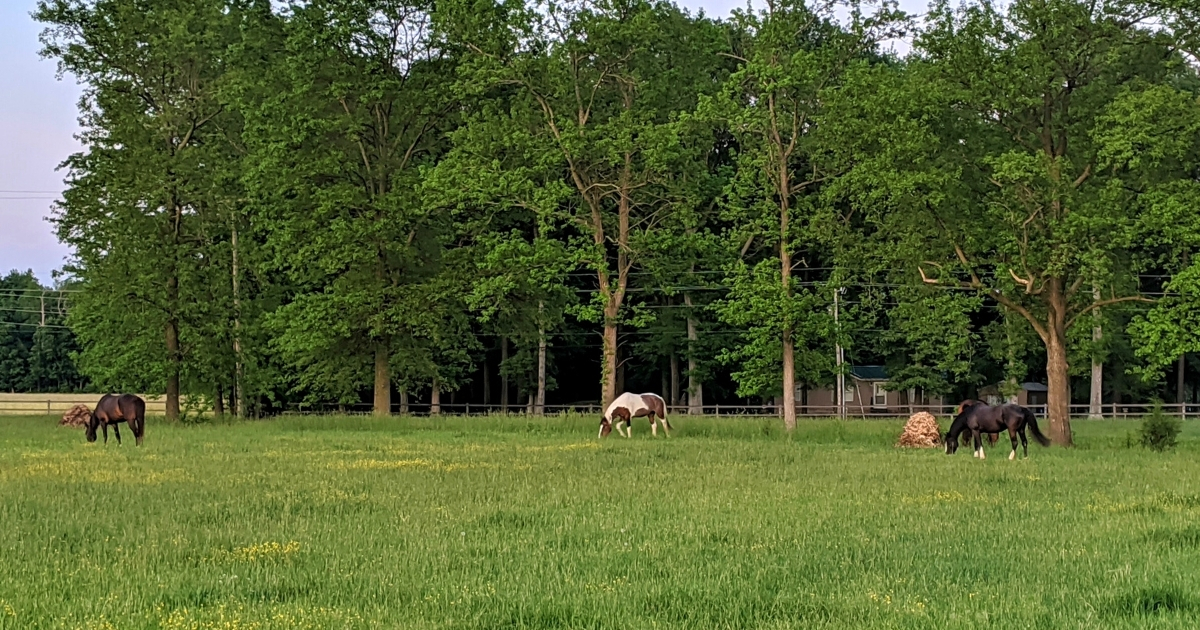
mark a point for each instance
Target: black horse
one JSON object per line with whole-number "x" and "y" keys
{"x": 977, "y": 418}
{"x": 115, "y": 408}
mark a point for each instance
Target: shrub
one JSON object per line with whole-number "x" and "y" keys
{"x": 1159, "y": 430}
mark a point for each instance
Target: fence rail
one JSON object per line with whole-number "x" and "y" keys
{"x": 57, "y": 404}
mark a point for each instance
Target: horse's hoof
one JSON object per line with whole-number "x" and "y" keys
{"x": 1012, "y": 456}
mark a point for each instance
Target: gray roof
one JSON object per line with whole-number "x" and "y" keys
{"x": 869, "y": 372}
{"x": 1034, "y": 387}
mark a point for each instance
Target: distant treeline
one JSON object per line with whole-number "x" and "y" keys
{"x": 346, "y": 200}
{"x": 36, "y": 346}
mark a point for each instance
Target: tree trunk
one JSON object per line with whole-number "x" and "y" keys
{"x": 674, "y": 379}
{"x": 785, "y": 260}
{"x": 219, "y": 402}
{"x": 1096, "y": 399}
{"x": 540, "y": 403}
{"x": 695, "y": 387}
{"x": 172, "y": 334}
{"x": 435, "y": 398}
{"x": 404, "y": 401}
{"x": 1179, "y": 380}
{"x": 487, "y": 382}
{"x": 610, "y": 368}
{"x": 1058, "y": 379}
{"x": 383, "y": 381}
{"x": 238, "y": 386}
{"x": 504, "y": 374}
{"x": 665, "y": 385}
{"x": 529, "y": 405}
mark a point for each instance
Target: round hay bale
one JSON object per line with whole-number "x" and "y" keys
{"x": 921, "y": 431}
{"x": 76, "y": 416}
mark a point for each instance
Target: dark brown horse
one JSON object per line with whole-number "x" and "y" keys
{"x": 978, "y": 418}
{"x": 116, "y": 408}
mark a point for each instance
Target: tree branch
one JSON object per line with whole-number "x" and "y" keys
{"x": 1095, "y": 305}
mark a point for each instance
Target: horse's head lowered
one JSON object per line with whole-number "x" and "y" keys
{"x": 93, "y": 423}
{"x": 605, "y": 426}
{"x": 951, "y": 441}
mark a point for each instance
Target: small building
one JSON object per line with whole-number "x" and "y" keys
{"x": 866, "y": 394}
{"x": 1030, "y": 395}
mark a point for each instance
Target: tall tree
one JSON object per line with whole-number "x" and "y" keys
{"x": 982, "y": 168}
{"x": 602, "y": 80}
{"x": 351, "y": 112}
{"x": 794, "y": 54}
{"x": 140, "y": 201}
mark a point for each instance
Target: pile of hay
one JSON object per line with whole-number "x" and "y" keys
{"x": 76, "y": 416}
{"x": 921, "y": 431}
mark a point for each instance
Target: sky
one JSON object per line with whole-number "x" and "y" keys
{"x": 38, "y": 113}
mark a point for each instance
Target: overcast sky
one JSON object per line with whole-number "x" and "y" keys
{"x": 37, "y": 128}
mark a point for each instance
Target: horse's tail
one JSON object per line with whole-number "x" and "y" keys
{"x": 1033, "y": 428}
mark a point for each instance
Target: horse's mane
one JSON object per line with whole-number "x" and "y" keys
{"x": 963, "y": 411}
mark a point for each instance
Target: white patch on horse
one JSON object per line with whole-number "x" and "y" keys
{"x": 1012, "y": 455}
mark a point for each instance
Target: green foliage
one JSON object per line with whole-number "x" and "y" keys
{"x": 295, "y": 201}
{"x": 33, "y": 357}
{"x": 758, "y": 304}
{"x": 1159, "y": 431}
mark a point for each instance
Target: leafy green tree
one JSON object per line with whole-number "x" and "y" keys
{"x": 793, "y": 54}
{"x": 597, "y": 86}
{"x": 1153, "y": 137}
{"x": 981, "y": 168}
{"x": 140, "y": 202}
{"x": 336, "y": 136}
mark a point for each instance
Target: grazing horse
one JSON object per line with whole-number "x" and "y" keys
{"x": 978, "y": 418}
{"x": 115, "y": 408}
{"x": 628, "y": 406}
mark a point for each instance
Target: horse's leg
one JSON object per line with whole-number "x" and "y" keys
{"x": 1024, "y": 443}
{"x": 653, "y": 425}
{"x": 117, "y": 432}
{"x": 1012, "y": 437}
{"x": 666, "y": 431}
{"x": 978, "y": 443}
{"x": 629, "y": 427}
{"x": 105, "y": 425}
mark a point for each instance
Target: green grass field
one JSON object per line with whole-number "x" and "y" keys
{"x": 511, "y": 523}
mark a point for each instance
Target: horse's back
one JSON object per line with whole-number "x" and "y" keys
{"x": 132, "y": 407}
{"x": 630, "y": 402}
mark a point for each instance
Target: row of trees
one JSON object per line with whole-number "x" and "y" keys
{"x": 36, "y": 347}
{"x": 317, "y": 199}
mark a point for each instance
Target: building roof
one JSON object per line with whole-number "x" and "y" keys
{"x": 1034, "y": 387}
{"x": 869, "y": 372}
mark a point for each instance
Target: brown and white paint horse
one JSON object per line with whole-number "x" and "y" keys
{"x": 628, "y": 406}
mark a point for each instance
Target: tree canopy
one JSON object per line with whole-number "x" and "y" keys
{"x": 328, "y": 202}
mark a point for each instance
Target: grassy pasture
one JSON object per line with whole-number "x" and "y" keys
{"x": 514, "y": 523}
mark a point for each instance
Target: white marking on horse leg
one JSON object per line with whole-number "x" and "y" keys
{"x": 982, "y": 455}
{"x": 653, "y": 427}
{"x": 600, "y": 433}
{"x": 1012, "y": 455}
